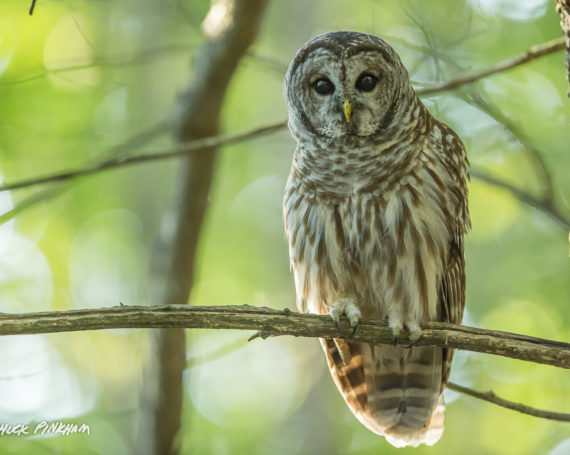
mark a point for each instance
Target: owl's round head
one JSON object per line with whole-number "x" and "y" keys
{"x": 345, "y": 84}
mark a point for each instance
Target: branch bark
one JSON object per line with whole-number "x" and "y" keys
{"x": 269, "y": 322}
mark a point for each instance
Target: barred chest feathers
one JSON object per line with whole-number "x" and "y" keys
{"x": 373, "y": 225}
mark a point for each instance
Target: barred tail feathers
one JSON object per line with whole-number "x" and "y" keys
{"x": 393, "y": 391}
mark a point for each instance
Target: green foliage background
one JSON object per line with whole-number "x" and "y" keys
{"x": 89, "y": 244}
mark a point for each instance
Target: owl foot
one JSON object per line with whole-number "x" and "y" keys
{"x": 415, "y": 333}
{"x": 396, "y": 328}
{"x": 349, "y": 309}
{"x": 413, "y": 329}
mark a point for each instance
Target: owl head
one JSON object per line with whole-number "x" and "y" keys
{"x": 345, "y": 84}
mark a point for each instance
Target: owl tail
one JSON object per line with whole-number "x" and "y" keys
{"x": 393, "y": 391}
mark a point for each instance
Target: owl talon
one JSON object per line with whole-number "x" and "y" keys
{"x": 349, "y": 309}
{"x": 415, "y": 334}
{"x": 336, "y": 323}
{"x": 395, "y": 334}
{"x": 354, "y": 327}
{"x": 396, "y": 329}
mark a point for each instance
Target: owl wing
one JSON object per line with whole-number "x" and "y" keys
{"x": 452, "y": 294}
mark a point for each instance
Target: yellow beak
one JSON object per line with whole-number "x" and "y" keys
{"x": 347, "y": 111}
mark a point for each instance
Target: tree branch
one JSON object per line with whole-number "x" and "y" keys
{"x": 533, "y": 53}
{"x": 270, "y": 322}
{"x": 522, "y": 408}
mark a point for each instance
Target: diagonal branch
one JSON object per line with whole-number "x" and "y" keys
{"x": 121, "y": 150}
{"x": 270, "y": 322}
{"x": 533, "y": 156}
{"x": 107, "y": 62}
{"x": 533, "y": 53}
{"x": 522, "y": 408}
{"x": 545, "y": 206}
{"x": 177, "y": 151}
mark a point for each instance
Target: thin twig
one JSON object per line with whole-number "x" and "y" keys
{"x": 532, "y": 154}
{"x": 269, "y": 62}
{"x": 178, "y": 150}
{"x": 32, "y": 6}
{"x": 120, "y": 150}
{"x": 523, "y": 196}
{"x": 272, "y": 322}
{"x": 522, "y": 408}
{"x": 223, "y": 351}
{"x": 533, "y": 53}
{"x": 113, "y": 61}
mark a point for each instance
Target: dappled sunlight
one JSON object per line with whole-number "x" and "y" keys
{"x": 258, "y": 205}
{"x": 254, "y": 387}
{"x": 532, "y": 89}
{"x": 561, "y": 449}
{"x": 106, "y": 263}
{"x": 218, "y": 19}
{"x": 35, "y": 384}
{"x": 25, "y": 274}
{"x": 521, "y": 10}
{"x": 111, "y": 112}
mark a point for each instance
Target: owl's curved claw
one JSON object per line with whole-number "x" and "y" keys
{"x": 396, "y": 329}
{"x": 395, "y": 338}
{"x": 336, "y": 323}
{"x": 354, "y": 327}
{"x": 349, "y": 309}
{"x": 415, "y": 334}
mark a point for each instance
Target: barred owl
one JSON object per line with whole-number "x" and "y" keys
{"x": 375, "y": 211}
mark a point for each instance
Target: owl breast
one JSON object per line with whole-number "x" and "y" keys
{"x": 379, "y": 240}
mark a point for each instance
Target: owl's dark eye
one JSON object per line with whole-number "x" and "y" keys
{"x": 323, "y": 86}
{"x": 366, "y": 82}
